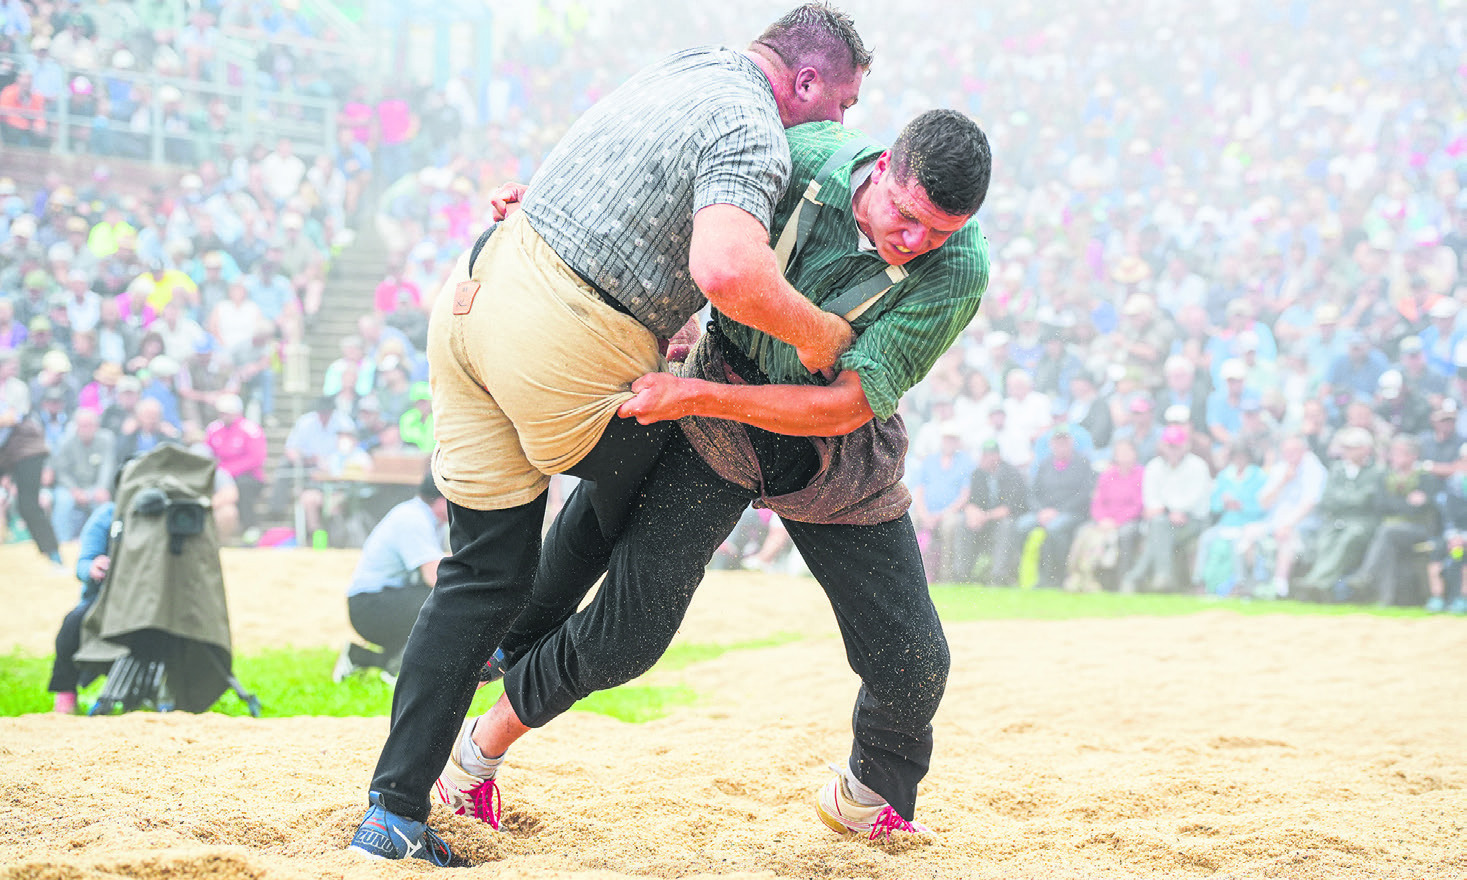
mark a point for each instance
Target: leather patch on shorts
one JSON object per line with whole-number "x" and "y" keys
{"x": 463, "y": 296}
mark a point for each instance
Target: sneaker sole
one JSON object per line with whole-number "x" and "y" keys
{"x": 363, "y": 854}
{"x": 831, "y": 822}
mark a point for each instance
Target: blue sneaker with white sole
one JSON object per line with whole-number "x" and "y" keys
{"x": 385, "y": 835}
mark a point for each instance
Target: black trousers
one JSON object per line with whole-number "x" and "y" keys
{"x": 384, "y": 618}
{"x": 481, "y": 589}
{"x": 64, "y": 675}
{"x": 872, "y": 575}
{"x": 27, "y": 476}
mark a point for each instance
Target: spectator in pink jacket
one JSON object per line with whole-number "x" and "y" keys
{"x": 1108, "y": 541}
{"x": 239, "y": 444}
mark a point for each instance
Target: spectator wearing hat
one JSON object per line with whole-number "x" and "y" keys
{"x": 1180, "y": 387}
{"x": 1176, "y": 491}
{"x": 1225, "y": 405}
{"x": 83, "y": 463}
{"x": 939, "y": 492}
{"x": 1438, "y": 446}
{"x": 1403, "y": 408}
{"x": 1408, "y": 517}
{"x": 397, "y": 568}
{"x": 35, "y": 296}
{"x": 1144, "y": 338}
{"x": 1417, "y": 373}
{"x": 1348, "y": 514}
{"x": 1107, "y": 543}
{"x": 21, "y": 249}
{"x": 1440, "y": 339}
{"x": 1236, "y": 503}
{"x": 1059, "y": 501}
{"x": 240, "y": 447}
{"x": 101, "y": 393}
{"x": 54, "y": 372}
{"x": 997, "y": 497}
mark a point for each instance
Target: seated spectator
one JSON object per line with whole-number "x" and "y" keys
{"x": 1108, "y": 541}
{"x": 1088, "y": 410}
{"x": 1348, "y": 514}
{"x": 122, "y": 409}
{"x": 1257, "y": 431}
{"x": 997, "y": 497}
{"x": 84, "y": 464}
{"x": 394, "y": 388}
{"x": 1289, "y": 496}
{"x": 353, "y": 356}
{"x": 311, "y": 442}
{"x": 144, "y": 429}
{"x": 1404, "y": 409}
{"x": 1417, "y": 373}
{"x": 1439, "y": 445}
{"x": 92, "y": 565}
{"x": 396, "y": 292}
{"x": 1445, "y": 581}
{"x": 320, "y": 506}
{"x": 239, "y": 446}
{"x": 22, "y": 114}
{"x": 303, "y": 261}
{"x": 397, "y": 568}
{"x": 1408, "y": 518}
{"x": 1354, "y": 374}
{"x": 1059, "y": 501}
{"x": 1235, "y": 504}
{"x": 1225, "y": 405}
{"x": 939, "y": 493}
{"x": 162, "y": 386}
{"x": 1140, "y": 428}
{"x": 1176, "y": 490}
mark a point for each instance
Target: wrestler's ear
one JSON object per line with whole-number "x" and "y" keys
{"x": 807, "y": 84}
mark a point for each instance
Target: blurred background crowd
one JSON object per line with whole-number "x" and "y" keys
{"x": 1221, "y": 347}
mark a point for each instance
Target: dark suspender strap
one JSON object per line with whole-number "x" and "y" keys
{"x": 479, "y": 246}
{"x": 812, "y": 204}
{"x": 847, "y": 302}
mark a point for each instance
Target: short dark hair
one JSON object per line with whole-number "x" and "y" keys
{"x": 428, "y": 489}
{"x": 820, "y": 36}
{"x": 948, "y": 155}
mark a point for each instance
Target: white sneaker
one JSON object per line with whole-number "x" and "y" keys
{"x": 465, "y": 793}
{"x": 344, "y": 667}
{"x": 841, "y": 814}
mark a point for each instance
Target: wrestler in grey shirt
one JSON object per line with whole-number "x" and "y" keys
{"x": 616, "y": 197}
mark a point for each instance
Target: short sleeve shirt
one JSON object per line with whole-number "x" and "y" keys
{"x": 616, "y": 197}
{"x": 405, "y": 540}
{"x": 901, "y": 336}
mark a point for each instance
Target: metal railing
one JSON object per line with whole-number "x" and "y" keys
{"x": 255, "y": 114}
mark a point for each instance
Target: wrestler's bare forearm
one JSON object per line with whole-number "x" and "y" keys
{"x": 800, "y": 410}
{"x": 730, "y": 260}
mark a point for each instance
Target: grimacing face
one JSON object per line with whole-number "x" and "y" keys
{"x": 899, "y": 218}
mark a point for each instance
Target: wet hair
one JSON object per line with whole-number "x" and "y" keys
{"x": 820, "y": 36}
{"x": 948, "y": 156}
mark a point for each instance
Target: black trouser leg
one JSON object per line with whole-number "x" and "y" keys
{"x": 385, "y": 619}
{"x": 874, "y": 579}
{"x": 64, "y": 675}
{"x": 685, "y": 511}
{"x": 578, "y": 546}
{"x": 249, "y": 498}
{"x": 27, "y": 476}
{"x": 481, "y": 589}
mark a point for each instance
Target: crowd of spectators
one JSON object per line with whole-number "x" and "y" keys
{"x": 1226, "y": 301}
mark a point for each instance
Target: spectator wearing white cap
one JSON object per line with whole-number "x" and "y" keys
{"x": 1225, "y": 405}
{"x": 1401, "y": 407}
{"x": 1416, "y": 371}
{"x": 1441, "y": 338}
{"x": 1348, "y": 514}
{"x": 1176, "y": 489}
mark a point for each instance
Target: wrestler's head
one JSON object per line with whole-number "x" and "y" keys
{"x": 815, "y": 63}
{"x": 926, "y": 187}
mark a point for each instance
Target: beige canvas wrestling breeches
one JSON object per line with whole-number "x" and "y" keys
{"x": 527, "y": 366}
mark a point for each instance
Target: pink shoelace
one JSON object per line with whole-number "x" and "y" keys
{"x": 487, "y": 803}
{"x": 887, "y": 821}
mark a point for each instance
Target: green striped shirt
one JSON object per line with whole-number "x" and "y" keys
{"x": 901, "y": 336}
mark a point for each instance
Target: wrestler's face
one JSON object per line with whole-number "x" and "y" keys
{"x": 899, "y": 218}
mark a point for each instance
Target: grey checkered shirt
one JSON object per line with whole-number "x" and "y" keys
{"x": 616, "y": 197}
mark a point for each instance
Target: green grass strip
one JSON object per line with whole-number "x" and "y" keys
{"x": 291, "y": 681}
{"x": 957, "y": 603}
